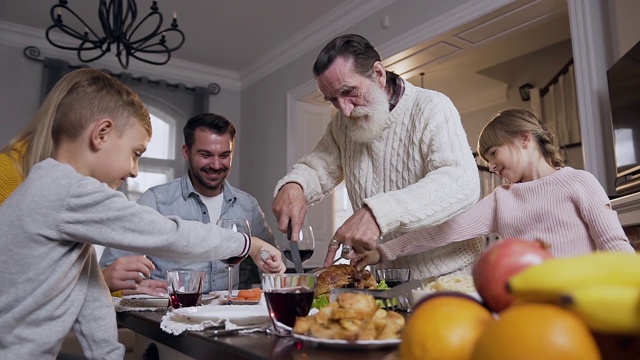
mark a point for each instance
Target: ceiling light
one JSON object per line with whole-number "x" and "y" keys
{"x": 143, "y": 41}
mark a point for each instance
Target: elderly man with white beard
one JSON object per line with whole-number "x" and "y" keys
{"x": 402, "y": 152}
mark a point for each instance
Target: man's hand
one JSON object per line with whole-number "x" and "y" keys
{"x": 125, "y": 272}
{"x": 290, "y": 205}
{"x": 149, "y": 287}
{"x": 266, "y": 256}
{"x": 361, "y": 232}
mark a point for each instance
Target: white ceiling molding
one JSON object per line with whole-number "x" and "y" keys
{"x": 181, "y": 71}
{"x": 314, "y": 35}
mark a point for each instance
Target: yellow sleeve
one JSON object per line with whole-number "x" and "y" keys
{"x": 10, "y": 177}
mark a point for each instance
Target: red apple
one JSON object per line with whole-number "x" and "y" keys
{"x": 501, "y": 260}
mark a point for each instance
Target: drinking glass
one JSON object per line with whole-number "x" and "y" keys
{"x": 241, "y": 226}
{"x": 184, "y": 287}
{"x": 288, "y": 296}
{"x": 306, "y": 244}
{"x": 393, "y": 277}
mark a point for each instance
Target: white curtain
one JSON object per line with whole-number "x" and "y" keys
{"x": 560, "y": 109}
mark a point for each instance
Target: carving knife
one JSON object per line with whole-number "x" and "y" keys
{"x": 295, "y": 253}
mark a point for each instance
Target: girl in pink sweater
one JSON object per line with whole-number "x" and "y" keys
{"x": 566, "y": 208}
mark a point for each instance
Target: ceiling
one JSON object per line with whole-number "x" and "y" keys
{"x": 237, "y": 35}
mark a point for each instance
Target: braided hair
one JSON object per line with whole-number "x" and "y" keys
{"x": 508, "y": 124}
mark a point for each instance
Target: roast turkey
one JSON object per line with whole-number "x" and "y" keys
{"x": 341, "y": 276}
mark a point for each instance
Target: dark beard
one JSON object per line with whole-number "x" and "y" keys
{"x": 197, "y": 175}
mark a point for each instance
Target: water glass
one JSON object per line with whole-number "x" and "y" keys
{"x": 288, "y": 296}
{"x": 185, "y": 287}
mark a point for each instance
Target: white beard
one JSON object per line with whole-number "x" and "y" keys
{"x": 366, "y": 123}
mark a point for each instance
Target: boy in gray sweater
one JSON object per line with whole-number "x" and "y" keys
{"x": 49, "y": 273}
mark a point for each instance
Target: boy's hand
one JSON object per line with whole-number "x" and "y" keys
{"x": 266, "y": 256}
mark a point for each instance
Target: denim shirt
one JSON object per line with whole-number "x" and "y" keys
{"x": 179, "y": 198}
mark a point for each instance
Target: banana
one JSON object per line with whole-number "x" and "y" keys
{"x": 547, "y": 281}
{"x": 612, "y": 309}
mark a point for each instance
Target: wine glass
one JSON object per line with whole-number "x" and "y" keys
{"x": 237, "y": 225}
{"x": 306, "y": 244}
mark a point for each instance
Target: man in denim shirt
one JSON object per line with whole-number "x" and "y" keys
{"x": 203, "y": 194}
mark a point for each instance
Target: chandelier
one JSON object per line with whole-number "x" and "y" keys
{"x": 143, "y": 41}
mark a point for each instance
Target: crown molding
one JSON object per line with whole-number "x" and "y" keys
{"x": 181, "y": 71}
{"x": 314, "y": 35}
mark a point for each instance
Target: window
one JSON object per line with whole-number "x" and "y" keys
{"x": 161, "y": 162}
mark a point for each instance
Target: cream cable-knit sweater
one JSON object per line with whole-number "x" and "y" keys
{"x": 567, "y": 209}
{"x": 419, "y": 173}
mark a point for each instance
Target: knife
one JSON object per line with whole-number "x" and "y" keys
{"x": 295, "y": 253}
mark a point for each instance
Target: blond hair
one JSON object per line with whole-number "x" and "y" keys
{"x": 508, "y": 124}
{"x": 77, "y": 100}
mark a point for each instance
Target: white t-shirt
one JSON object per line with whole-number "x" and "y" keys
{"x": 214, "y": 205}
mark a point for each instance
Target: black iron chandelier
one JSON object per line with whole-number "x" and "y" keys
{"x": 144, "y": 41}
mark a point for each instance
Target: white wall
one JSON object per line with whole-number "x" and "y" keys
{"x": 625, "y": 30}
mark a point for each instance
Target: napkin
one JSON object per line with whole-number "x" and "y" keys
{"x": 176, "y": 324}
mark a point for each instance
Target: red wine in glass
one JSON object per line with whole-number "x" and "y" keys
{"x": 393, "y": 283}
{"x": 304, "y": 254}
{"x": 178, "y": 300}
{"x": 286, "y": 304}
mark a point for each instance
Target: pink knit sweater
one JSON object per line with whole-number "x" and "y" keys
{"x": 568, "y": 209}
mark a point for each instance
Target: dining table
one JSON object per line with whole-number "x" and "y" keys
{"x": 205, "y": 344}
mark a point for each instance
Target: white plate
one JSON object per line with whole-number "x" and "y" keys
{"x": 245, "y": 302}
{"x": 345, "y": 344}
{"x": 143, "y": 300}
{"x": 237, "y": 314}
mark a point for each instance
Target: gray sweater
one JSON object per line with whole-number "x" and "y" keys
{"x": 49, "y": 273}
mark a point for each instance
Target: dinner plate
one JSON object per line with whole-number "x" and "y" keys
{"x": 142, "y": 300}
{"x": 237, "y": 314}
{"x": 345, "y": 344}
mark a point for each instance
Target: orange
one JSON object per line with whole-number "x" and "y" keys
{"x": 537, "y": 331}
{"x": 444, "y": 327}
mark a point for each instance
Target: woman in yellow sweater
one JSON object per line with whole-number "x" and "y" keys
{"x": 31, "y": 146}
